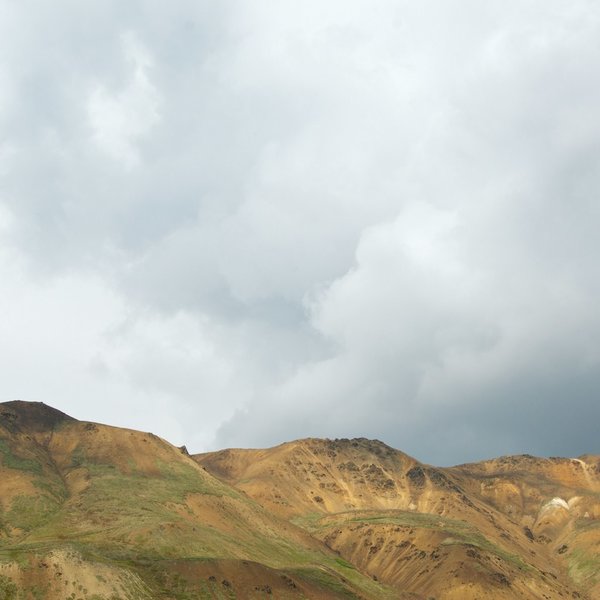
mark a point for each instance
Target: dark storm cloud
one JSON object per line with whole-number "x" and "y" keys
{"x": 241, "y": 223}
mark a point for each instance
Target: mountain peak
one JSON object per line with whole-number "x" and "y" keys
{"x": 31, "y": 416}
{"x": 335, "y": 445}
{"x": 311, "y": 518}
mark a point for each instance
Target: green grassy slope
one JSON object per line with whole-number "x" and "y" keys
{"x": 96, "y": 498}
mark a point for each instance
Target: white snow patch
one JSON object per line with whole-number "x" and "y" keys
{"x": 555, "y": 503}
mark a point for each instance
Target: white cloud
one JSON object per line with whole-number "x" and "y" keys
{"x": 74, "y": 343}
{"x": 250, "y": 216}
{"x": 120, "y": 117}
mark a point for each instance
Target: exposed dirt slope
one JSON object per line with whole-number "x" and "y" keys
{"x": 516, "y": 527}
{"x": 317, "y": 475}
{"x": 555, "y": 500}
{"x": 104, "y": 512}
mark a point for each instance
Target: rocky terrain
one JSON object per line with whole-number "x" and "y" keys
{"x": 94, "y": 512}
{"x": 514, "y": 527}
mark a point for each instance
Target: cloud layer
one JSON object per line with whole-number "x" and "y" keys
{"x": 241, "y": 223}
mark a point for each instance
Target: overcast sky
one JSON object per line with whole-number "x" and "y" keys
{"x": 236, "y": 223}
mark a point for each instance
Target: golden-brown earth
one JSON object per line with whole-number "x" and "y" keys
{"x": 93, "y": 512}
{"x": 514, "y": 527}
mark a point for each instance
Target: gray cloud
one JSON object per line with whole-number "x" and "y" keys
{"x": 241, "y": 223}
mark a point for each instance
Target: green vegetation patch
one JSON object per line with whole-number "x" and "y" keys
{"x": 326, "y": 580}
{"x": 415, "y": 519}
{"x": 124, "y": 519}
{"x": 29, "y": 512}
{"x": 309, "y": 521}
{"x": 344, "y": 563}
{"x": 460, "y": 532}
{"x": 12, "y": 461}
{"x": 397, "y": 517}
{"x": 8, "y": 589}
{"x": 478, "y": 540}
{"x": 53, "y": 486}
{"x": 130, "y": 515}
{"x": 350, "y": 584}
{"x": 173, "y": 483}
{"x": 584, "y": 568}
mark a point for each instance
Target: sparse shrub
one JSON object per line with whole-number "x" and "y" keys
{"x": 8, "y": 589}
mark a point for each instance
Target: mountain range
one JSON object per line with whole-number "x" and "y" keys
{"x": 94, "y": 512}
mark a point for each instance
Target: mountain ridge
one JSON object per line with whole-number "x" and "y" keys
{"x": 310, "y": 518}
{"x": 363, "y": 499}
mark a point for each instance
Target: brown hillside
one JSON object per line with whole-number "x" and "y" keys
{"x": 31, "y": 417}
{"x": 106, "y": 512}
{"x": 103, "y": 513}
{"x": 516, "y": 527}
